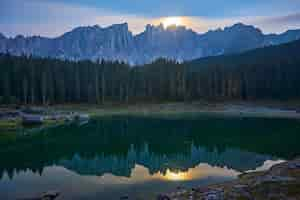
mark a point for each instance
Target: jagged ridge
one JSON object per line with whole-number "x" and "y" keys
{"x": 116, "y": 42}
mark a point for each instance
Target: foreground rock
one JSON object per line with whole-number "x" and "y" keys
{"x": 282, "y": 181}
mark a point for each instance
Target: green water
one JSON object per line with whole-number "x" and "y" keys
{"x": 140, "y": 157}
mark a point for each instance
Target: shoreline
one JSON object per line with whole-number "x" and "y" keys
{"x": 171, "y": 109}
{"x": 284, "y": 177}
{"x": 282, "y": 181}
{"x": 234, "y": 109}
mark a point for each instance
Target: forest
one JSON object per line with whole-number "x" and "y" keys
{"x": 265, "y": 73}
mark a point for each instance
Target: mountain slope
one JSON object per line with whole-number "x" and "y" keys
{"x": 118, "y": 43}
{"x": 269, "y": 73}
{"x": 266, "y": 56}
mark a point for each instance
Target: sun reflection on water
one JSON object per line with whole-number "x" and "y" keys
{"x": 202, "y": 171}
{"x": 176, "y": 176}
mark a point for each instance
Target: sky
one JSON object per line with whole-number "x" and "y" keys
{"x": 52, "y": 18}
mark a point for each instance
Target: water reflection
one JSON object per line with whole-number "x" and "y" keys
{"x": 140, "y": 183}
{"x": 132, "y": 155}
{"x": 163, "y": 163}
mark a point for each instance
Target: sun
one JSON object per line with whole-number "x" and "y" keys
{"x": 169, "y": 21}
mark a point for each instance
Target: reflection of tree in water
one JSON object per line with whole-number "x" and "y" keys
{"x": 231, "y": 158}
{"x": 115, "y": 145}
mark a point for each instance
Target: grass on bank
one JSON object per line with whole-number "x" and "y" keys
{"x": 10, "y": 125}
{"x": 156, "y": 109}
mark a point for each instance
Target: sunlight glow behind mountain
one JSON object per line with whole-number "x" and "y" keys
{"x": 169, "y": 21}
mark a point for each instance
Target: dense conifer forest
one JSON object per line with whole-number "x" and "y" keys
{"x": 266, "y": 73}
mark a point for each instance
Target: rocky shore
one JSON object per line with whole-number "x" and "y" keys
{"x": 12, "y": 119}
{"x": 282, "y": 181}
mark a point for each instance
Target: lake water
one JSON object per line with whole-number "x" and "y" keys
{"x": 140, "y": 157}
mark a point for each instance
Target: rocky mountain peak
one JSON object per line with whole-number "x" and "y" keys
{"x": 119, "y": 27}
{"x": 19, "y": 37}
{"x": 152, "y": 28}
{"x": 176, "y": 28}
{"x": 116, "y": 42}
{"x": 240, "y": 27}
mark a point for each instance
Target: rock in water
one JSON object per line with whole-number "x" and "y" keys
{"x": 163, "y": 197}
{"x": 50, "y": 195}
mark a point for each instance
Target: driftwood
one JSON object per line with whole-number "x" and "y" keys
{"x": 50, "y": 195}
{"x": 28, "y": 119}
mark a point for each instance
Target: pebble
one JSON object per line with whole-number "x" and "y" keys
{"x": 179, "y": 187}
{"x": 294, "y": 166}
{"x": 202, "y": 190}
{"x": 240, "y": 188}
{"x": 211, "y": 192}
{"x": 278, "y": 178}
{"x": 51, "y": 195}
{"x": 163, "y": 197}
{"x": 211, "y": 197}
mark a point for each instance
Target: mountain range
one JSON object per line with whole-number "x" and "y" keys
{"x": 116, "y": 42}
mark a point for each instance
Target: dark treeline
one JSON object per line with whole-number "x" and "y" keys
{"x": 267, "y": 73}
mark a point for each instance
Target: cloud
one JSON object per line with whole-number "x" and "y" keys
{"x": 278, "y": 24}
{"x": 52, "y": 19}
{"x": 282, "y": 23}
{"x": 268, "y": 24}
{"x": 42, "y": 17}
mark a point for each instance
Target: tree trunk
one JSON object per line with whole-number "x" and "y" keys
{"x": 44, "y": 89}
{"x": 25, "y": 90}
{"x": 97, "y": 86}
{"x": 103, "y": 87}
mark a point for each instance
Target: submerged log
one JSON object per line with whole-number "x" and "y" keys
{"x": 50, "y": 195}
{"x": 82, "y": 117}
{"x": 29, "y": 119}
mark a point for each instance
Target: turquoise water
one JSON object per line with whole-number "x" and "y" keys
{"x": 140, "y": 157}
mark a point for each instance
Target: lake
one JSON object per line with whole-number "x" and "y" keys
{"x": 140, "y": 157}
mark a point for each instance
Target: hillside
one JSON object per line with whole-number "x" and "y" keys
{"x": 266, "y": 73}
{"x": 265, "y": 55}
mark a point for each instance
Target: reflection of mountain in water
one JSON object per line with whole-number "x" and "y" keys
{"x": 114, "y": 145}
{"x": 101, "y": 164}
